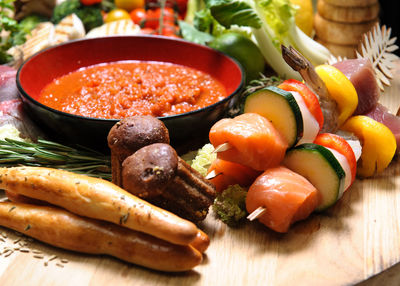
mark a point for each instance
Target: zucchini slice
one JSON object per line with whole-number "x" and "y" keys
{"x": 318, "y": 165}
{"x": 279, "y": 107}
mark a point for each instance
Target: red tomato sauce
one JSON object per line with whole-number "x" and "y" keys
{"x": 123, "y": 89}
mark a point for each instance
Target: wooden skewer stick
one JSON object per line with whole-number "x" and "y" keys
{"x": 223, "y": 147}
{"x": 211, "y": 175}
{"x": 256, "y": 213}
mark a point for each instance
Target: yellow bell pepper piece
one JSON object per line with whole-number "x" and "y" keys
{"x": 340, "y": 89}
{"x": 377, "y": 141}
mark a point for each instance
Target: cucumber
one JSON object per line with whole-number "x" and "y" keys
{"x": 279, "y": 107}
{"x": 318, "y": 165}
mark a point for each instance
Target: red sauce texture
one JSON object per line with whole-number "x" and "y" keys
{"x": 123, "y": 89}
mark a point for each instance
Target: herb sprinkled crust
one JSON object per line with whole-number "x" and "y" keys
{"x": 96, "y": 198}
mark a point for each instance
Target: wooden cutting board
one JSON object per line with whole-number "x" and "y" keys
{"x": 354, "y": 240}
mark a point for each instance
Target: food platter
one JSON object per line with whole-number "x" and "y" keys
{"x": 356, "y": 239}
{"x": 153, "y": 223}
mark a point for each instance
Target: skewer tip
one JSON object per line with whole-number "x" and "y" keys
{"x": 256, "y": 213}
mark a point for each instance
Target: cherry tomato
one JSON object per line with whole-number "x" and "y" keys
{"x": 153, "y": 17}
{"x": 90, "y": 2}
{"x": 169, "y": 15}
{"x": 129, "y": 5}
{"x": 152, "y": 20}
{"x": 182, "y": 5}
{"x": 138, "y": 15}
{"x": 169, "y": 30}
{"x": 117, "y": 14}
{"x": 179, "y": 5}
{"x": 147, "y": 31}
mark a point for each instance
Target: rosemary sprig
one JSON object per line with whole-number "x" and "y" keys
{"x": 45, "y": 153}
{"x": 260, "y": 83}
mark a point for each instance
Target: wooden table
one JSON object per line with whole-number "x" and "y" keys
{"x": 356, "y": 239}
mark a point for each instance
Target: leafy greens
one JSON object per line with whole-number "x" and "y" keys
{"x": 272, "y": 23}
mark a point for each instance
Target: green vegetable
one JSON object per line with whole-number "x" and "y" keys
{"x": 193, "y": 35}
{"x": 320, "y": 166}
{"x": 192, "y": 7}
{"x": 54, "y": 155}
{"x": 90, "y": 15}
{"x": 281, "y": 108}
{"x": 262, "y": 82}
{"x": 64, "y": 9}
{"x": 242, "y": 49}
{"x": 230, "y": 205}
{"x": 203, "y": 159}
{"x": 272, "y": 23}
{"x": 8, "y": 26}
{"x": 25, "y": 26}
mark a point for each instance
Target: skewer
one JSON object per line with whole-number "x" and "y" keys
{"x": 256, "y": 213}
{"x": 212, "y": 175}
{"x": 223, "y": 147}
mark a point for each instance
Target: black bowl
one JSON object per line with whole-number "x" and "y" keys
{"x": 185, "y": 129}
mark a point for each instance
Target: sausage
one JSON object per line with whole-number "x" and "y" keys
{"x": 96, "y": 198}
{"x": 66, "y": 230}
{"x": 129, "y": 135}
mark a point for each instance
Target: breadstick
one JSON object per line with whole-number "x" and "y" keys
{"x": 201, "y": 242}
{"x": 63, "y": 229}
{"x": 98, "y": 199}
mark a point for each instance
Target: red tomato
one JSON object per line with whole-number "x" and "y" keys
{"x": 147, "y": 31}
{"x": 179, "y": 5}
{"x": 182, "y": 5}
{"x": 138, "y": 15}
{"x": 90, "y": 2}
{"x": 153, "y": 17}
{"x": 169, "y": 30}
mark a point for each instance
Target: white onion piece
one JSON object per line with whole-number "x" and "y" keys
{"x": 346, "y": 168}
{"x": 356, "y": 146}
{"x": 310, "y": 124}
{"x": 353, "y": 141}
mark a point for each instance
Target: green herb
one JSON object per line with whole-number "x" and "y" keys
{"x": 90, "y": 15}
{"x": 230, "y": 205}
{"x": 260, "y": 83}
{"x": 8, "y": 26}
{"x": 25, "y": 26}
{"x": 45, "y": 153}
{"x": 14, "y": 33}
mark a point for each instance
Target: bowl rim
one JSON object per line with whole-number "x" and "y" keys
{"x": 24, "y": 94}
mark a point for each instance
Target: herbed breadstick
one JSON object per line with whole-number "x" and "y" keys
{"x": 98, "y": 199}
{"x": 63, "y": 229}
